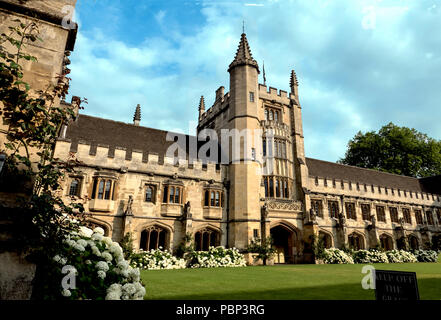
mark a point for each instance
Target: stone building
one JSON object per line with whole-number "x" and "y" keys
{"x": 130, "y": 182}
{"x": 16, "y": 273}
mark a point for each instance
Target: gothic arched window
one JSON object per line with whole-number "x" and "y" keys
{"x": 153, "y": 237}
{"x": 206, "y": 238}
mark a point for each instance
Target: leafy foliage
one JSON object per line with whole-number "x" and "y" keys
{"x": 395, "y": 149}
{"x": 126, "y": 244}
{"x": 40, "y": 218}
{"x": 263, "y": 248}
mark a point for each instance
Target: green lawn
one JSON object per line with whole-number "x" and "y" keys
{"x": 280, "y": 282}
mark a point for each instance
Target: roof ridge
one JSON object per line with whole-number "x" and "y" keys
{"x": 377, "y": 171}
{"x": 131, "y": 124}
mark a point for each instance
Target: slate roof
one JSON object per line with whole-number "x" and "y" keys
{"x": 94, "y": 131}
{"x": 331, "y": 170}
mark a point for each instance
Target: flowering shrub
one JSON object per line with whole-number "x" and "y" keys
{"x": 216, "y": 257}
{"x": 100, "y": 268}
{"x": 426, "y": 255}
{"x": 400, "y": 256}
{"x": 370, "y": 256}
{"x": 336, "y": 256}
{"x": 157, "y": 259}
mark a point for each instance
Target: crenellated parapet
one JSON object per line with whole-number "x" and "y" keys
{"x": 220, "y": 105}
{"x": 348, "y": 188}
{"x": 274, "y": 95}
{"x": 138, "y": 161}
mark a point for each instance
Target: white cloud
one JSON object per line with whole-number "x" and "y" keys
{"x": 351, "y": 78}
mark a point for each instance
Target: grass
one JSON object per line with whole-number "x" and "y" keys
{"x": 280, "y": 282}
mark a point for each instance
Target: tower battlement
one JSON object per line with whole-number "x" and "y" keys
{"x": 271, "y": 93}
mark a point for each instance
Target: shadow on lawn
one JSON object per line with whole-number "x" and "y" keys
{"x": 430, "y": 289}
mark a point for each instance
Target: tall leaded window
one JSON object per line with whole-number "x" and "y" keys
{"x": 406, "y": 215}
{"x": 150, "y": 193}
{"x": 333, "y": 209}
{"x": 206, "y": 238}
{"x": 264, "y": 147}
{"x": 74, "y": 188}
{"x": 276, "y": 187}
{"x": 213, "y": 198}
{"x": 153, "y": 237}
{"x": 350, "y": 210}
{"x": 418, "y": 217}
{"x": 172, "y": 194}
{"x": 103, "y": 188}
{"x": 393, "y": 214}
{"x": 381, "y": 215}
{"x": 429, "y": 218}
{"x": 317, "y": 207}
{"x": 366, "y": 211}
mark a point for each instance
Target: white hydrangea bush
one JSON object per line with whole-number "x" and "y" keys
{"x": 426, "y": 255}
{"x": 101, "y": 272}
{"x": 216, "y": 257}
{"x": 336, "y": 256}
{"x": 157, "y": 259}
{"x": 370, "y": 256}
{"x": 400, "y": 256}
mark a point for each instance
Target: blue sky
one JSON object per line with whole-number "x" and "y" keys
{"x": 360, "y": 63}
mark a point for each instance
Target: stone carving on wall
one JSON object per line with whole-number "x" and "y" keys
{"x": 287, "y": 205}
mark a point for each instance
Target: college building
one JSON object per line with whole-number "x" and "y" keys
{"x": 156, "y": 186}
{"x": 132, "y": 183}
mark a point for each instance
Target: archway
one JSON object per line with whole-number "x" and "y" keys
{"x": 356, "y": 241}
{"x": 285, "y": 243}
{"x": 387, "y": 243}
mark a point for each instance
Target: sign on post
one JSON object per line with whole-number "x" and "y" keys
{"x": 396, "y": 285}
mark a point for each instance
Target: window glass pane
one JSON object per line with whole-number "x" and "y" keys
{"x": 149, "y": 194}
{"x": 108, "y": 185}
{"x": 266, "y": 114}
{"x": 264, "y": 147}
{"x": 271, "y": 189}
{"x": 212, "y": 199}
{"x": 271, "y": 115}
{"x": 265, "y": 181}
{"x": 172, "y": 194}
{"x": 206, "y": 198}
{"x": 73, "y": 190}
{"x": 101, "y": 190}
{"x": 164, "y": 197}
{"x": 276, "y": 116}
{"x": 177, "y": 194}
{"x": 217, "y": 199}
{"x": 277, "y": 188}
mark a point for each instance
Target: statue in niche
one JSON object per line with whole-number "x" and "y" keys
{"x": 342, "y": 219}
{"x": 264, "y": 211}
{"x": 128, "y": 211}
{"x": 312, "y": 215}
{"x": 187, "y": 210}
